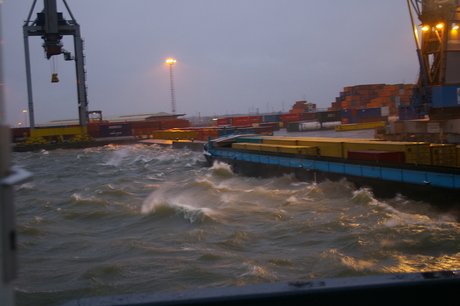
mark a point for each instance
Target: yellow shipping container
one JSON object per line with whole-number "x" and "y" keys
{"x": 332, "y": 147}
{"x": 268, "y": 148}
{"x": 192, "y": 134}
{"x": 239, "y": 145}
{"x": 284, "y": 141}
{"x": 56, "y": 131}
{"x": 444, "y": 155}
{"x": 305, "y": 150}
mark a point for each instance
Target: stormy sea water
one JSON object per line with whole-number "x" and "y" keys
{"x": 142, "y": 219}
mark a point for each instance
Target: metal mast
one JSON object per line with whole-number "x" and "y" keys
{"x": 171, "y": 62}
{"x": 51, "y": 26}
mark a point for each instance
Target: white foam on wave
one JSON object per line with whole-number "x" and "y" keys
{"x": 26, "y": 186}
{"x": 117, "y": 157}
{"x": 259, "y": 272}
{"x": 91, "y": 199}
{"x": 181, "y": 204}
{"x": 402, "y": 211}
{"x": 222, "y": 168}
{"x": 398, "y": 218}
{"x": 365, "y": 196}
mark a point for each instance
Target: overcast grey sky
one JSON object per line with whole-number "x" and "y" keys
{"x": 232, "y": 55}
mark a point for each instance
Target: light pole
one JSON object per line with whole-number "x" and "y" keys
{"x": 171, "y": 62}
{"x": 25, "y": 117}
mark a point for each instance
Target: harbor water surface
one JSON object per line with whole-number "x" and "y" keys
{"x": 142, "y": 219}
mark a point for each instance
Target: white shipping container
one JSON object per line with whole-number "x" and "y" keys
{"x": 309, "y": 126}
{"x": 330, "y": 125}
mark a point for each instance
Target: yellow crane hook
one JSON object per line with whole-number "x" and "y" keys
{"x": 54, "y": 78}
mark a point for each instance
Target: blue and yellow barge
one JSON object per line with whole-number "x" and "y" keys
{"x": 419, "y": 170}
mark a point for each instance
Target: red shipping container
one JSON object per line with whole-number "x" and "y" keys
{"x": 94, "y": 130}
{"x": 19, "y": 132}
{"x": 290, "y": 117}
{"x": 145, "y": 124}
{"x": 266, "y": 130}
{"x": 241, "y": 121}
{"x": 308, "y": 116}
{"x": 254, "y": 119}
{"x": 200, "y": 135}
{"x": 388, "y": 156}
{"x": 173, "y": 123}
{"x": 223, "y": 121}
{"x": 368, "y": 120}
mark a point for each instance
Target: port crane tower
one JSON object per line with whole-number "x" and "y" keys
{"x": 437, "y": 93}
{"x": 51, "y": 26}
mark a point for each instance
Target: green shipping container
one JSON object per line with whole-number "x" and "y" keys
{"x": 328, "y": 116}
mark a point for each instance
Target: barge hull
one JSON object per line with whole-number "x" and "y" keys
{"x": 438, "y": 186}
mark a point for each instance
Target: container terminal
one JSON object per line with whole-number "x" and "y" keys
{"x": 427, "y": 111}
{"x": 416, "y": 146}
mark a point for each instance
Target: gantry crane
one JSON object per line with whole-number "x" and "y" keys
{"x": 51, "y": 26}
{"x": 437, "y": 93}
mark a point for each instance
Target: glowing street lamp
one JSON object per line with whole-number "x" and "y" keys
{"x": 171, "y": 62}
{"x": 25, "y": 116}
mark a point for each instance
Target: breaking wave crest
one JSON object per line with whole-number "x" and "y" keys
{"x": 159, "y": 203}
{"x": 222, "y": 169}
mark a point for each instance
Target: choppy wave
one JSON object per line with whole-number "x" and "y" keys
{"x": 130, "y": 219}
{"x": 167, "y": 202}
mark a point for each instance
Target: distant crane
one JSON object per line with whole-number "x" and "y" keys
{"x": 437, "y": 93}
{"x": 51, "y": 26}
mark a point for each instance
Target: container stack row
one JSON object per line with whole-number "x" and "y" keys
{"x": 205, "y": 133}
{"x": 103, "y": 129}
{"x": 374, "y": 95}
{"x": 363, "y": 149}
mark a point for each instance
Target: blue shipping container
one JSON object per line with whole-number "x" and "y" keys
{"x": 225, "y": 131}
{"x": 346, "y": 113}
{"x": 369, "y": 112}
{"x": 271, "y": 118}
{"x": 353, "y": 120}
{"x": 446, "y": 96}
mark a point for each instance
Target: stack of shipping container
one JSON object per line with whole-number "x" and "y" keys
{"x": 373, "y": 96}
{"x": 302, "y": 107}
{"x": 356, "y": 104}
